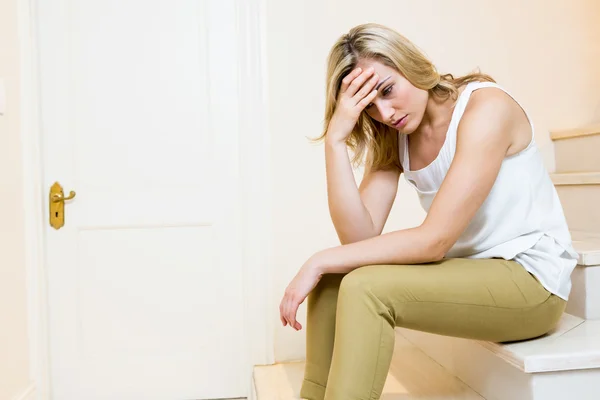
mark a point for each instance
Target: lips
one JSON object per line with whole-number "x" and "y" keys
{"x": 400, "y": 122}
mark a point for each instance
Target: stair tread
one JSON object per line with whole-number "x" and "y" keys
{"x": 572, "y": 345}
{"x": 413, "y": 375}
{"x": 576, "y": 178}
{"x": 587, "y": 245}
{"x": 571, "y": 133}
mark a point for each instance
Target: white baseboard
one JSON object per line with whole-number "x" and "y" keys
{"x": 27, "y": 394}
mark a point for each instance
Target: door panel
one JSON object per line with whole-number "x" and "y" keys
{"x": 145, "y": 278}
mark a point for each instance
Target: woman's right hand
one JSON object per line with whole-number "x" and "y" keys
{"x": 357, "y": 92}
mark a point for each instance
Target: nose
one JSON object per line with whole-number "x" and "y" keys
{"x": 385, "y": 111}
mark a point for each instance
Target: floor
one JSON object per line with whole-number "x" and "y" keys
{"x": 413, "y": 376}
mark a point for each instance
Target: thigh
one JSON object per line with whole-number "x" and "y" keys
{"x": 486, "y": 299}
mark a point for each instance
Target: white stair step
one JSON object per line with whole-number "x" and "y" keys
{"x": 413, "y": 375}
{"x": 587, "y": 244}
{"x": 579, "y": 195}
{"x": 554, "y": 352}
{"x": 563, "y": 364}
{"x": 584, "y": 300}
{"x": 577, "y": 150}
{"x": 537, "y": 355}
{"x": 576, "y": 178}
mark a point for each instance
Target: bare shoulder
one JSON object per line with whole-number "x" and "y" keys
{"x": 492, "y": 113}
{"x": 490, "y": 105}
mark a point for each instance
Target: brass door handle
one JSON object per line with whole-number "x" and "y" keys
{"x": 56, "y": 197}
{"x": 57, "y": 205}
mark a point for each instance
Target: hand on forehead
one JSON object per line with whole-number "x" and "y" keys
{"x": 383, "y": 72}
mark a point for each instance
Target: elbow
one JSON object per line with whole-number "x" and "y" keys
{"x": 437, "y": 246}
{"x": 437, "y": 254}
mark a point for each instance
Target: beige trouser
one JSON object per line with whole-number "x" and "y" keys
{"x": 351, "y": 318}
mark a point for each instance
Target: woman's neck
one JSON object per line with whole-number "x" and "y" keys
{"x": 436, "y": 118}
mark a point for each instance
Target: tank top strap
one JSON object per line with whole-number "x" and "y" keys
{"x": 459, "y": 110}
{"x": 448, "y": 149}
{"x": 403, "y": 150}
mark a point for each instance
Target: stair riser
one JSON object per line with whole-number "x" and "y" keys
{"x": 496, "y": 379}
{"x": 584, "y": 300}
{"x": 578, "y": 154}
{"x": 580, "y": 204}
{"x": 566, "y": 385}
{"x": 488, "y": 375}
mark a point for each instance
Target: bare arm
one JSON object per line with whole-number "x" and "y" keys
{"x": 486, "y": 132}
{"x": 357, "y": 213}
{"x": 485, "y": 135}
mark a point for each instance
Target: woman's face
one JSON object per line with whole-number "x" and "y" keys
{"x": 399, "y": 104}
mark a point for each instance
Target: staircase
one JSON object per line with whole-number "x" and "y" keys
{"x": 577, "y": 182}
{"x": 565, "y": 364}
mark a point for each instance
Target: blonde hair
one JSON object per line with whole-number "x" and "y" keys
{"x": 377, "y": 42}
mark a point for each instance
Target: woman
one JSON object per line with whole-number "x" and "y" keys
{"x": 493, "y": 258}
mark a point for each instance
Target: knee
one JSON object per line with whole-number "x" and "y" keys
{"x": 366, "y": 289}
{"x": 385, "y": 282}
{"x": 357, "y": 282}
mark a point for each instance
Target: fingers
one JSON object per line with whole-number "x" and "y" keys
{"x": 367, "y": 88}
{"x": 348, "y": 79}
{"x": 281, "y": 312}
{"x": 368, "y": 99}
{"x": 290, "y": 315}
{"x": 359, "y": 81}
{"x": 287, "y": 312}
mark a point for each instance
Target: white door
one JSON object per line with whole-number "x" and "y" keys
{"x": 139, "y": 117}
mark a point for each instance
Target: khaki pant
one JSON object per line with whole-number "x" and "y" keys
{"x": 351, "y": 318}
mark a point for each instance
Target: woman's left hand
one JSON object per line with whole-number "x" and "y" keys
{"x": 303, "y": 283}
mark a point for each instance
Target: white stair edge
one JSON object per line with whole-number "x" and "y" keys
{"x": 573, "y": 133}
{"x": 575, "y": 178}
{"x": 534, "y": 356}
{"x": 587, "y": 245}
{"x": 551, "y": 353}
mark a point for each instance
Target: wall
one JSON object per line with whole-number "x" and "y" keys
{"x": 14, "y": 368}
{"x": 546, "y": 52}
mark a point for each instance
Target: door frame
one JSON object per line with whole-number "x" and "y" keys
{"x": 255, "y": 201}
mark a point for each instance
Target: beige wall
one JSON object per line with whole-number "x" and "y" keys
{"x": 14, "y": 368}
{"x": 546, "y": 52}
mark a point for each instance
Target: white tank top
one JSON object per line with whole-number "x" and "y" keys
{"x": 521, "y": 219}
